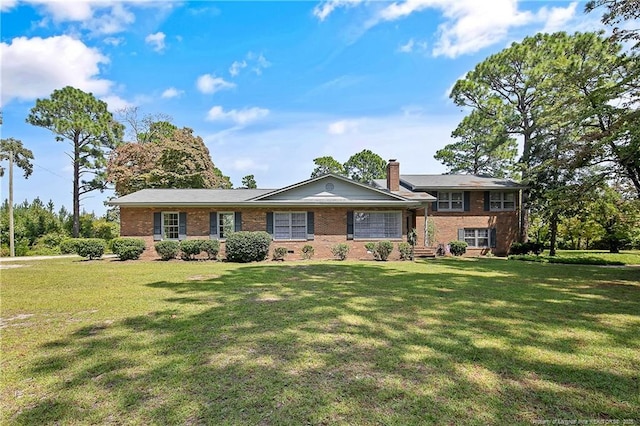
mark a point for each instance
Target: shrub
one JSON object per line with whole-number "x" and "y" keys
{"x": 405, "y": 251}
{"x": 245, "y": 246}
{"x": 340, "y": 251}
{"x": 127, "y": 248}
{"x": 371, "y": 248}
{"x": 190, "y": 249}
{"x": 91, "y": 248}
{"x": 211, "y": 247}
{"x": 167, "y": 250}
{"x": 384, "y": 249}
{"x": 307, "y": 251}
{"x": 526, "y": 248}
{"x": 458, "y": 248}
{"x": 68, "y": 246}
{"x": 279, "y": 253}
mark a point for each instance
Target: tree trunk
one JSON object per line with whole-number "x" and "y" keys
{"x": 12, "y": 243}
{"x": 76, "y": 189}
{"x": 553, "y": 228}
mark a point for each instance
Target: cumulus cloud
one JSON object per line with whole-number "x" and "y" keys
{"x": 326, "y": 8}
{"x": 240, "y": 117}
{"x": 172, "y": 92}
{"x": 211, "y": 84}
{"x": 34, "y": 67}
{"x": 156, "y": 41}
{"x": 342, "y": 126}
{"x": 555, "y": 18}
{"x": 236, "y": 66}
{"x": 116, "y": 103}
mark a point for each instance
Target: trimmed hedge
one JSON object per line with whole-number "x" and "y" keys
{"x": 526, "y": 248}
{"x": 458, "y": 248}
{"x": 68, "y": 246}
{"x": 380, "y": 250}
{"x": 167, "y": 250}
{"x": 245, "y": 246}
{"x": 127, "y": 248}
{"x": 211, "y": 247}
{"x": 91, "y": 248}
{"x": 405, "y": 250}
{"x": 189, "y": 249}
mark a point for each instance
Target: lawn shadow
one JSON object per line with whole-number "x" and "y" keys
{"x": 359, "y": 343}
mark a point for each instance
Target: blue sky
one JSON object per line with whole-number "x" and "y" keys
{"x": 269, "y": 86}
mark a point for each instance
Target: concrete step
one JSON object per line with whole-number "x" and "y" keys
{"x": 424, "y": 252}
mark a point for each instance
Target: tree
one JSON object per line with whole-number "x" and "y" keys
{"x": 249, "y": 181}
{"x": 365, "y": 166}
{"x": 616, "y": 12}
{"x": 151, "y": 127}
{"x": 13, "y": 151}
{"x": 172, "y": 159}
{"x": 325, "y": 165}
{"x": 85, "y": 121}
{"x": 619, "y": 218}
{"x": 484, "y": 148}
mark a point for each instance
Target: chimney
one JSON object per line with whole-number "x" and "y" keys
{"x": 393, "y": 175}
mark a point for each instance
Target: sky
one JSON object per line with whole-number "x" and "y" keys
{"x": 269, "y": 86}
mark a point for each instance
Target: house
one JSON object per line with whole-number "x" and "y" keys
{"x": 332, "y": 209}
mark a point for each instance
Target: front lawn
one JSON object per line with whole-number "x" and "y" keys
{"x": 585, "y": 257}
{"x": 450, "y": 341}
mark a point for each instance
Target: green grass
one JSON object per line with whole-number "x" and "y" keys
{"x": 451, "y": 341}
{"x": 586, "y": 257}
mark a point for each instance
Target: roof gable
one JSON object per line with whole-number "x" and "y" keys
{"x": 330, "y": 189}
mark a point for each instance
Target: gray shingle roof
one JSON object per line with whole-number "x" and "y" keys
{"x": 189, "y": 196}
{"x": 425, "y": 182}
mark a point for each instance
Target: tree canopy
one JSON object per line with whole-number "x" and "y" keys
{"x": 325, "y": 165}
{"x": 86, "y": 123}
{"x": 249, "y": 181}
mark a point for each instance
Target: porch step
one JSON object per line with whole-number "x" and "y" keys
{"x": 421, "y": 252}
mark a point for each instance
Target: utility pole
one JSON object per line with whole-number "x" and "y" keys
{"x": 12, "y": 246}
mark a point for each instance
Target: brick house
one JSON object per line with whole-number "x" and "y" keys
{"x": 331, "y": 209}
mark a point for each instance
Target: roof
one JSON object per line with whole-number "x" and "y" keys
{"x": 188, "y": 196}
{"x": 468, "y": 182}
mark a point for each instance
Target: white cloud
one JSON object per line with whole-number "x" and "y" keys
{"x": 236, "y": 66}
{"x": 6, "y": 5}
{"x": 342, "y": 126}
{"x": 172, "y": 92}
{"x": 34, "y": 67}
{"x": 240, "y": 117}
{"x": 413, "y": 46}
{"x": 113, "y": 41}
{"x": 211, "y": 84}
{"x": 115, "y": 103}
{"x": 326, "y": 8}
{"x": 556, "y": 18}
{"x": 248, "y": 164}
{"x": 156, "y": 41}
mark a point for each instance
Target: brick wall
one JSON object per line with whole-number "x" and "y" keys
{"x": 446, "y": 225}
{"x": 329, "y": 223}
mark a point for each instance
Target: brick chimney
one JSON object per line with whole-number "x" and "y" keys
{"x": 393, "y": 175}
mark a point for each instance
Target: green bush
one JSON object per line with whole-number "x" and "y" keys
{"x": 340, "y": 251}
{"x": 68, "y": 246}
{"x": 380, "y": 250}
{"x": 405, "y": 251}
{"x": 189, "y": 249}
{"x": 245, "y": 246}
{"x": 91, "y": 248}
{"x": 526, "y": 248}
{"x": 127, "y": 248}
{"x": 307, "y": 251}
{"x": 167, "y": 250}
{"x": 279, "y": 253}
{"x": 458, "y": 248}
{"x": 211, "y": 247}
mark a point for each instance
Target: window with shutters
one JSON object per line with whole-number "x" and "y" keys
{"x": 170, "y": 225}
{"x": 502, "y": 201}
{"x": 477, "y": 237}
{"x": 450, "y": 201}
{"x": 290, "y": 226}
{"x": 377, "y": 225}
{"x": 226, "y": 224}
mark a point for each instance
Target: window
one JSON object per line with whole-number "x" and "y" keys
{"x": 290, "y": 226}
{"x": 377, "y": 225}
{"x": 226, "y": 224}
{"x": 170, "y": 225}
{"x": 502, "y": 200}
{"x": 477, "y": 237}
{"x": 450, "y": 201}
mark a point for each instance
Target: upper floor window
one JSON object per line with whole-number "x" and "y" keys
{"x": 451, "y": 201}
{"x": 502, "y": 200}
{"x": 290, "y": 226}
{"x": 377, "y": 225}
